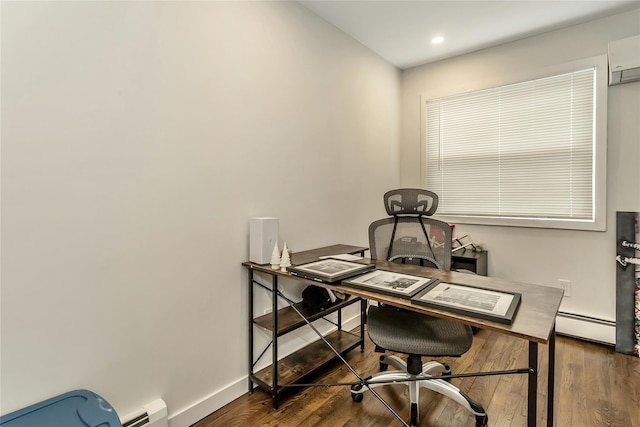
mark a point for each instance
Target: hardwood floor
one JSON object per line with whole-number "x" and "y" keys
{"x": 594, "y": 386}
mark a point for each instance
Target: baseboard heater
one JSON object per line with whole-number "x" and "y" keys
{"x": 585, "y": 327}
{"x": 153, "y": 414}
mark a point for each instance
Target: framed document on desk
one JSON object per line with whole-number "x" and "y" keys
{"x": 329, "y": 270}
{"x": 389, "y": 283}
{"x": 482, "y": 303}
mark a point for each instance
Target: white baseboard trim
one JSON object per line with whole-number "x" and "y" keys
{"x": 216, "y": 400}
{"x": 209, "y": 404}
{"x": 588, "y": 328}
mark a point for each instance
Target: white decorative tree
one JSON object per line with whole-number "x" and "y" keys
{"x": 275, "y": 257}
{"x": 285, "y": 261}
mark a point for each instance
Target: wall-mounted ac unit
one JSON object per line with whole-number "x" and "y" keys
{"x": 624, "y": 60}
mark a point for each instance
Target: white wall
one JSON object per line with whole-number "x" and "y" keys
{"x": 138, "y": 139}
{"x": 536, "y": 255}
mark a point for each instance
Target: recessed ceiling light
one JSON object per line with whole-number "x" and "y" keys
{"x": 437, "y": 40}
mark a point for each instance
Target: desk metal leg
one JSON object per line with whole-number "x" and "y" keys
{"x": 363, "y": 320}
{"x": 533, "y": 384}
{"x": 250, "y": 330}
{"x": 551, "y": 377}
{"x": 274, "y": 340}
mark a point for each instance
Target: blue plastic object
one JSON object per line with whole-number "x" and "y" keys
{"x": 78, "y": 408}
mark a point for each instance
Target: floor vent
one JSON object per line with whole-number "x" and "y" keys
{"x": 153, "y": 414}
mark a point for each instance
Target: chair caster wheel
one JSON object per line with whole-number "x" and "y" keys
{"x": 482, "y": 420}
{"x": 447, "y": 371}
{"x": 357, "y": 397}
{"x": 414, "y": 415}
{"x": 383, "y": 366}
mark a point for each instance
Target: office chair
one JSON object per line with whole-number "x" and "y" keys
{"x": 409, "y": 236}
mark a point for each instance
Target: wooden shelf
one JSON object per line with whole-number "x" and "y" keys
{"x": 308, "y": 256}
{"x": 289, "y": 319}
{"x": 295, "y": 367}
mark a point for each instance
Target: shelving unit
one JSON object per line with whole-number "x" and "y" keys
{"x": 296, "y": 367}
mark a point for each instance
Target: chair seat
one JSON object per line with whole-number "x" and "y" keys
{"x": 407, "y": 332}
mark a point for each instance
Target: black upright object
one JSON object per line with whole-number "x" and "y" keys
{"x": 470, "y": 260}
{"x": 626, "y": 226}
{"x": 551, "y": 363}
{"x": 532, "y": 403}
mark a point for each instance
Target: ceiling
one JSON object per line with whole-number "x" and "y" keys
{"x": 401, "y": 31}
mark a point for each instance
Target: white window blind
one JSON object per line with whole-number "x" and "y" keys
{"x": 524, "y": 150}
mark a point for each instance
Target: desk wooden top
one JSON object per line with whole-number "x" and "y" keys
{"x": 310, "y": 256}
{"x": 534, "y": 320}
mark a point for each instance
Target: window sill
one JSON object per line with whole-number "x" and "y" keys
{"x": 584, "y": 225}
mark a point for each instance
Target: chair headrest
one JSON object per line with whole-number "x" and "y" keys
{"x": 410, "y": 201}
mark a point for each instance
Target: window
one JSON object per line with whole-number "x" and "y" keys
{"x": 528, "y": 154}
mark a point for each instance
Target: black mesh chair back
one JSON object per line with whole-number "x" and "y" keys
{"x": 415, "y": 240}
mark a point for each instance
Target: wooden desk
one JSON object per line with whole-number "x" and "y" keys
{"x": 534, "y": 320}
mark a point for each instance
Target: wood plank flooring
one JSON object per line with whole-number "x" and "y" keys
{"x": 594, "y": 386}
